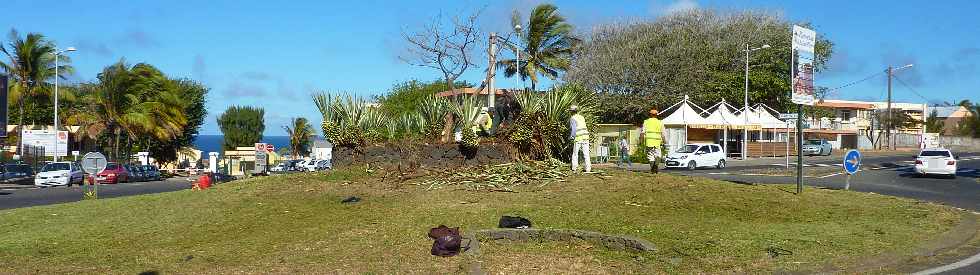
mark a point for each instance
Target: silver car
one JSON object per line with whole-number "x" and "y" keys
{"x": 817, "y": 147}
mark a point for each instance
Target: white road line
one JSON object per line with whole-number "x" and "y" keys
{"x": 822, "y": 165}
{"x": 952, "y": 266}
{"x": 719, "y": 173}
{"x": 908, "y": 161}
{"x": 831, "y": 175}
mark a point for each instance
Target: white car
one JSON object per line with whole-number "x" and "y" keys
{"x": 935, "y": 161}
{"x": 59, "y": 174}
{"x": 696, "y": 155}
{"x": 310, "y": 165}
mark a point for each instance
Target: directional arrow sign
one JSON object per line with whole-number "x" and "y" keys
{"x": 852, "y": 161}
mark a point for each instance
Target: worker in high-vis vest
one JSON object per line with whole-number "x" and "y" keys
{"x": 483, "y": 123}
{"x": 580, "y": 135}
{"x": 653, "y": 136}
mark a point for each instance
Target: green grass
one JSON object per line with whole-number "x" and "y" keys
{"x": 295, "y": 224}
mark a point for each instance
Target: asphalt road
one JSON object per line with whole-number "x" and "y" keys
{"x": 890, "y": 175}
{"x": 24, "y": 196}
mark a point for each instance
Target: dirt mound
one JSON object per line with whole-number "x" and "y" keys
{"x": 426, "y": 156}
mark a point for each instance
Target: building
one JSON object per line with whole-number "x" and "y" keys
{"x": 951, "y": 117}
{"x": 853, "y": 124}
{"x": 322, "y": 150}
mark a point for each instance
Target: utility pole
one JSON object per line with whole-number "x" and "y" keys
{"x": 888, "y": 129}
{"x": 491, "y": 69}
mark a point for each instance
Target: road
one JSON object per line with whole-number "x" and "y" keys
{"x": 890, "y": 175}
{"x": 24, "y": 196}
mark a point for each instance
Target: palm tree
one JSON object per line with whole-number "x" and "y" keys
{"x": 31, "y": 65}
{"x": 120, "y": 104}
{"x": 300, "y": 136}
{"x": 548, "y": 43}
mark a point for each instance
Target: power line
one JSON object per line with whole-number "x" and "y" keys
{"x": 856, "y": 82}
{"x": 910, "y": 88}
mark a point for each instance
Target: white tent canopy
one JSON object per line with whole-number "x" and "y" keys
{"x": 766, "y": 119}
{"x": 684, "y": 114}
{"x": 723, "y": 117}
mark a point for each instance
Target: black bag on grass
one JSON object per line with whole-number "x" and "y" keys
{"x": 514, "y": 222}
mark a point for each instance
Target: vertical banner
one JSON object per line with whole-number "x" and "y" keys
{"x": 3, "y": 105}
{"x": 803, "y": 42}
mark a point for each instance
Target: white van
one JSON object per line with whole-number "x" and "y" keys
{"x": 692, "y": 156}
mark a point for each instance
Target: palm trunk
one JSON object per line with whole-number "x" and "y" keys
{"x": 20, "y": 122}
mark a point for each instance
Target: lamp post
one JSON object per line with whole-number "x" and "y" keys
{"x": 888, "y": 129}
{"x": 520, "y": 78}
{"x": 745, "y": 115}
{"x": 57, "y": 53}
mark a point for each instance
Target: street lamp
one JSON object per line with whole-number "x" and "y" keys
{"x": 57, "y": 53}
{"x": 888, "y": 130}
{"x": 745, "y": 115}
{"x": 518, "y": 51}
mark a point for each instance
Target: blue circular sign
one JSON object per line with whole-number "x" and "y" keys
{"x": 852, "y": 161}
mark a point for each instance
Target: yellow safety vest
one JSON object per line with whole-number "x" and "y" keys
{"x": 486, "y": 125}
{"x": 581, "y": 130}
{"x": 652, "y": 129}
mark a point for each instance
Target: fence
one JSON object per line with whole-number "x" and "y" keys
{"x": 960, "y": 143}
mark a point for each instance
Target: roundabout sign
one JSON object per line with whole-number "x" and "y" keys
{"x": 852, "y": 164}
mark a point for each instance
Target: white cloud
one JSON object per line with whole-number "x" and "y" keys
{"x": 676, "y": 6}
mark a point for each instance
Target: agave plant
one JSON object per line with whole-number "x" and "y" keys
{"x": 349, "y": 121}
{"x": 541, "y": 128}
{"x": 466, "y": 114}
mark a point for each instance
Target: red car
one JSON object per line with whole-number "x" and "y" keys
{"x": 113, "y": 173}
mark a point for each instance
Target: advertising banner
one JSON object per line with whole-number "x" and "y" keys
{"x": 46, "y": 139}
{"x": 803, "y": 44}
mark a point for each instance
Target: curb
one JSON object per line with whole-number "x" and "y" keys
{"x": 955, "y": 237}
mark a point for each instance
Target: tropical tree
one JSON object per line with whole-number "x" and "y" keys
{"x": 241, "y": 126}
{"x": 300, "y": 136}
{"x": 547, "y": 44}
{"x": 652, "y": 64}
{"x": 31, "y": 65}
{"x": 934, "y": 124}
{"x": 970, "y": 125}
{"x": 136, "y": 103}
{"x": 193, "y": 96}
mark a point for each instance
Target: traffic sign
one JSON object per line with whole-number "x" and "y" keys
{"x": 270, "y": 148}
{"x": 852, "y": 161}
{"x": 785, "y": 116}
{"x": 94, "y": 163}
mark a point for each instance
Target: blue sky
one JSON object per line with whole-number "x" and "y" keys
{"x": 275, "y": 55}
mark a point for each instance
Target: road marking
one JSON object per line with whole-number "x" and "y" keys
{"x": 823, "y": 165}
{"x": 965, "y": 262}
{"x": 719, "y": 173}
{"x": 831, "y": 175}
{"x": 908, "y": 161}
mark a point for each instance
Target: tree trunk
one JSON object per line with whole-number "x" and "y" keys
{"x": 20, "y": 122}
{"x": 447, "y": 128}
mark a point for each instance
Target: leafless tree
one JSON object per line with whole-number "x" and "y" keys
{"x": 444, "y": 46}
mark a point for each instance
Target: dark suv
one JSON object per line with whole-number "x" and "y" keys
{"x": 16, "y": 174}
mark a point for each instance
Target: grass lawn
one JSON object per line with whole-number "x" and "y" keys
{"x": 295, "y": 224}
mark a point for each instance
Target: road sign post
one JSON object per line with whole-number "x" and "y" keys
{"x": 94, "y": 163}
{"x": 852, "y": 163}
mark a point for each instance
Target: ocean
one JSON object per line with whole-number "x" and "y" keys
{"x": 212, "y": 143}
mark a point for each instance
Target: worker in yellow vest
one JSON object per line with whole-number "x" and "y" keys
{"x": 483, "y": 123}
{"x": 580, "y": 135}
{"x": 653, "y": 135}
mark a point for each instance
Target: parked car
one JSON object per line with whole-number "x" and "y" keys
{"x": 323, "y": 165}
{"x": 935, "y": 161}
{"x": 309, "y": 165}
{"x": 59, "y": 174}
{"x": 281, "y": 167}
{"x": 221, "y": 177}
{"x": 16, "y": 173}
{"x": 135, "y": 174}
{"x": 692, "y": 156}
{"x": 113, "y": 173}
{"x": 151, "y": 172}
{"x": 817, "y": 147}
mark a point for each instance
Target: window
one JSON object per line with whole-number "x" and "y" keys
{"x": 846, "y": 114}
{"x": 57, "y": 166}
{"x": 715, "y": 148}
{"x": 934, "y": 154}
{"x": 687, "y": 148}
{"x": 704, "y": 149}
